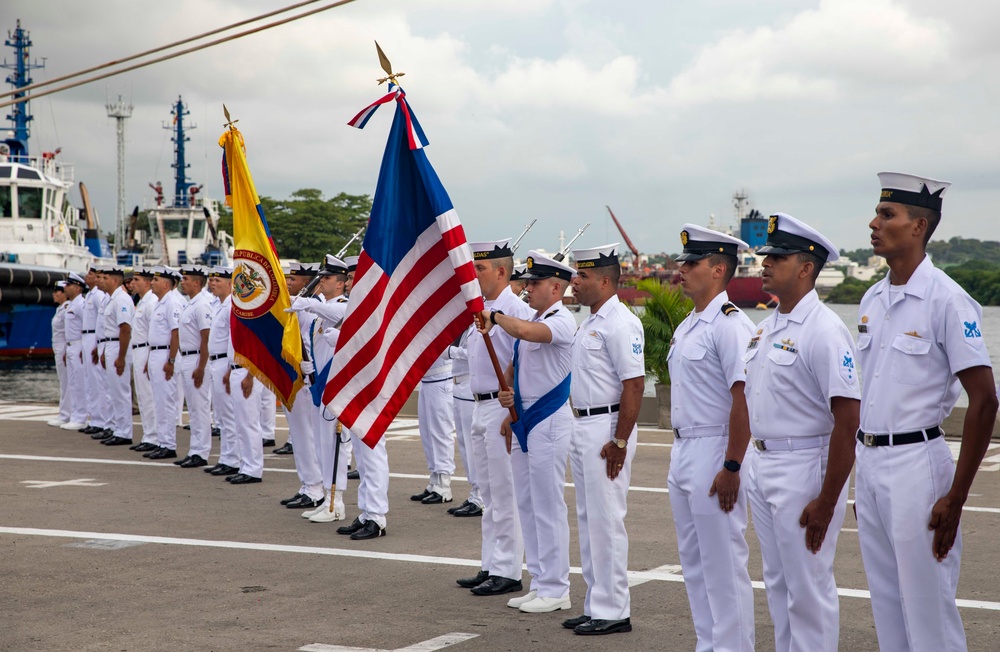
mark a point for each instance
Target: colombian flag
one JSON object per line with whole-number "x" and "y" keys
{"x": 266, "y": 339}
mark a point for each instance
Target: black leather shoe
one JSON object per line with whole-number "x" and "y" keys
{"x": 187, "y": 426}
{"x": 209, "y": 469}
{"x": 353, "y": 474}
{"x": 355, "y": 525}
{"x": 573, "y": 623}
{"x": 452, "y": 510}
{"x": 598, "y": 626}
{"x": 145, "y": 447}
{"x": 216, "y": 432}
{"x": 435, "y": 499}
{"x": 284, "y": 450}
{"x": 90, "y": 430}
{"x": 496, "y": 585}
{"x": 292, "y": 499}
{"x": 152, "y": 451}
{"x": 163, "y": 454}
{"x": 102, "y": 434}
{"x": 370, "y": 530}
{"x": 194, "y": 462}
{"x": 305, "y": 502}
{"x": 420, "y": 496}
{"x": 182, "y": 460}
{"x": 225, "y": 470}
{"x": 240, "y": 478}
{"x": 135, "y": 447}
{"x": 268, "y": 442}
{"x": 472, "y": 509}
{"x": 471, "y": 582}
{"x": 116, "y": 441}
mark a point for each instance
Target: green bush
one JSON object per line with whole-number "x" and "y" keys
{"x": 663, "y": 312}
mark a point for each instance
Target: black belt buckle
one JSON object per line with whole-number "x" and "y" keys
{"x": 486, "y": 397}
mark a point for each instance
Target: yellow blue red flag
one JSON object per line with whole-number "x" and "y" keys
{"x": 266, "y": 339}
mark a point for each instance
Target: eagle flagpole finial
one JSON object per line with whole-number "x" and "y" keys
{"x": 387, "y": 67}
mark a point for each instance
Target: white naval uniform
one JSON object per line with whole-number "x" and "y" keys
{"x": 503, "y": 543}
{"x": 795, "y": 366}
{"x": 118, "y": 310}
{"x": 706, "y": 360}
{"x": 196, "y": 317}
{"x": 436, "y": 424}
{"x": 322, "y": 343}
{"x": 540, "y": 474}
{"x": 165, "y": 319}
{"x": 301, "y": 426}
{"x": 464, "y": 403}
{"x": 607, "y": 350}
{"x": 96, "y": 390}
{"x": 218, "y": 367}
{"x": 246, "y": 411}
{"x": 268, "y": 413}
{"x": 75, "y": 370}
{"x": 59, "y": 350}
{"x": 140, "y": 356}
{"x": 916, "y": 339}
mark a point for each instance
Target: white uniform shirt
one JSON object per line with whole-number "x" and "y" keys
{"x": 324, "y": 334}
{"x": 195, "y": 317}
{"x": 74, "y": 319}
{"x": 59, "y": 327}
{"x": 706, "y": 360}
{"x": 166, "y": 317}
{"x": 912, "y": 341}
{"x": 143, "y": 313}
{"x": 483, "y": 377}
{"x": 459, "y": 356}
{"x": 796, "y": 363}
{"x": 440, "y": 370}
{"x": 92, "y": 306}
{"x": 218, "y": 337}
{"x": 607, "y": 350}
{"x": 118, "y": 310}
{"x": 543, "y": 366}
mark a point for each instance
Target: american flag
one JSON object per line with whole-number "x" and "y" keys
{"x": 415, "y": 288}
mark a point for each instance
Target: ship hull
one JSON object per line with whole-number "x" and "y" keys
{"x": 747, "y": 292}
{"x": 26, "y": 310}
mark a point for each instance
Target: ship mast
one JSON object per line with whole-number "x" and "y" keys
{"x": 181, "y": 182}
{"x": 120, "y": 111}
{"x": 19, "y": 114}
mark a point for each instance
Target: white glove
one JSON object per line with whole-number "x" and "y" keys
{"x": 307, "y": 367}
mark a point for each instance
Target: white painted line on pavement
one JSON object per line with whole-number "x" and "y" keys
{"x": 430, "y": 645}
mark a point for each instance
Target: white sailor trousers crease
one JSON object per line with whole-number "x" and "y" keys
{"x": 222, "y": 408}
{"x": 165, "y": 392}
{"x": 373, "y": 468}
{"x": 119, "y": 392}
{"x": 247, "y": 414}
{"x": 199, "y": 401}
{"x": 300, "y": 434}
{"x": 144, "y": 394}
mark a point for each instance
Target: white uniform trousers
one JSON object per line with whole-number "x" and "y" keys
{"x": 913, "y": 595}
{"x": 63, "y": 375}
{"x": 326, "y": 436}
{"x": 436, "y": 420}
{"x": 180, "y": 393}
{"x": 300, "y": 433}
{"x": 247, "y": 414}
{"x": 600, "y": 511}
{"x": 464, "y": 404}
{"x": 539, "y": 486}
{"x": 144, "y": 394}
{"x": 225, "y": 418}
{"x": 199, "y": 402}
{"x": 165, "y": 392}
{"x": 801, "y": 590}
{"x": 268, "y": 413}
{"x": 503, "y": 544}
{"x": 712, "y": 546}
{"x": 373, "y": 469}
{"x": 119, "y": 391}
{"x": 77, "y": 381}
{"x": 98, "y": 406}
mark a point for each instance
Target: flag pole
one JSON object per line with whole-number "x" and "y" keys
{"x": 336, "y": 462}
{"x": 496, "y": 368}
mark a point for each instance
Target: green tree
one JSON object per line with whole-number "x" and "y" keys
{"x": 979, "y": 278}
{"x": 664, "y": 310}
{"x": 306, "y": 226}
{"x": 851, "y": 290}
{"x": 860, "y": 256}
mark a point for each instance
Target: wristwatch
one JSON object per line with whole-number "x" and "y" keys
{"x": 493, "y": 316}
{"x": 171, "y": 360}
{"x": 731, "y": 465}
{"x": 620, "y": 443}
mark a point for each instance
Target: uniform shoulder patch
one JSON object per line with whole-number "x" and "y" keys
{"x": 342, "y": 299}
{"x": 551, "y": 312}
{"x": 729, "y": 308}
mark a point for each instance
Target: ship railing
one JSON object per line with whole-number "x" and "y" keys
{"x": 48, "y": 166}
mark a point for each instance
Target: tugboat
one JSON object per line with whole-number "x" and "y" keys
{"x": 42, "y": 235}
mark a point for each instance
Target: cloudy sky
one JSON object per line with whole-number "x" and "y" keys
{"x": 552, "y": 109}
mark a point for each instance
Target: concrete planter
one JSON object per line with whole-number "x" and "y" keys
{"x": 663, "y": 405}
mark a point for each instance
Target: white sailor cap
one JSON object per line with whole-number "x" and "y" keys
{"x": 73, "y": 277}
{"x": 541, "y": 266}
{"x": 603, "y": 256}
{"x": 194, "y": 270}
{"x": 60, "y": 286}
{"x": 302, "y": 269}
{"x": 699, "y": 242}
{"x": 146, "y": 272}
{"x": 163, "y": 271}
{"x": 352, "y": 262}
{"x": 220, "y": 271}
{"x": 518, "y": 273}
{"x": 116, "y": 269}
{"x": 901, "y": 188}
{"x": 787, "y": 235}
{"x": 333, "y": 265}
{"x": 491, "y": 250}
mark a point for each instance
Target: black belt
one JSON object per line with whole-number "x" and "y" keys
{"x": 158, "y": 348}
{"x": 139, "y": 346}
{"x": 486, "y": 397}
{"x": 589, "y": 412}
{"x": 440, "y": 380}
{"x": 88, "y": 332}
{"x": 235, "y": 366}
{"x": 899, "y": 438}
{"x": 107, "y": 339}
{"x": 217, "y": 356}
{"x": 190, "y": 352}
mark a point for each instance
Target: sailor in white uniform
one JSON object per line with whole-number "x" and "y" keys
{"x": 59, "y": 350}
{"x": 75, "y": 374}
{"x": 116, "y": 356}
{"x": 802, "y": 394}
{"x": 463, "y": 406}
{"x": 436, "y": 423}
{"x": 221, "y": 285}
{"x": 245, "y": 392}
{"x": 502, "y": 550}
{"x": 608, "y": 380}
{"x": 711, "y": 435}
{"x": 194, "y": 328}
{"x": 161, "y": 364}
{"x": 142, "y": 283}
{"x": 96, "y": 386}
{"x": 920, "y": 340}
{"x": 540, "y": 377}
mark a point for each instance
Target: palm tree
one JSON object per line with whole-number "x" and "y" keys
{"x": 664, "y": 310}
